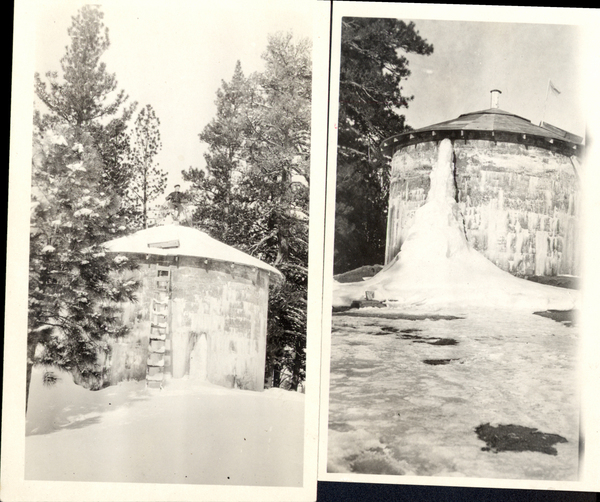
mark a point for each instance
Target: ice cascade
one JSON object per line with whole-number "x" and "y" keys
{"x": 437, "y": 267}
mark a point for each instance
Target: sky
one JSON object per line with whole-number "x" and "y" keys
{"x": 471, "y": 58}
{"x": 174, "y": 55}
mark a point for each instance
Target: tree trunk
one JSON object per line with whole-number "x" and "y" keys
{"x": 276, "y": 377}
{"x": 30, "y": 355}
{"x": 296, "y": 368}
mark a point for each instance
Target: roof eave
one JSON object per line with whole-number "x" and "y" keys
{"x": 390, "y": 145}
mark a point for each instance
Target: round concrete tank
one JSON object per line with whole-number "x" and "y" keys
{"x": 201, "y": 309}
{"x": 517, "y": 185}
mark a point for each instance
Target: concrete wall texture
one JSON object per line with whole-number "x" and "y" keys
{"x": 217, "y": 320}
{"x": 520, "y": 203}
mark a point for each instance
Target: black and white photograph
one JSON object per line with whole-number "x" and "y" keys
{"x": 300, "y": 250}
{"x": 452, "y": 348}
{"x": 166, "y": 259}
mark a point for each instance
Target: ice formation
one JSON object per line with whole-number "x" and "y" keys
{"x": 437, "y": 267}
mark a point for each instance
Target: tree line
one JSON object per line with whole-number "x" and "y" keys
{"x": 373, "y": 65}
{"x": 253, "y": 192}
{"x": 94, "y": 174}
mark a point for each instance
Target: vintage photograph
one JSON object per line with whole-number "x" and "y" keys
{"x": 454, "y": 339}
{"x": 166, "y": 337}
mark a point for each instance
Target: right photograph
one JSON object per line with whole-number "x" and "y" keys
{"x": 457, "y": 250}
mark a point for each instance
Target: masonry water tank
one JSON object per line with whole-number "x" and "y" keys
{"x": 518, "y": 188}
{"x": 201, "y": 309}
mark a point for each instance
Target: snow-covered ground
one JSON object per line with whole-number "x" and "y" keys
{"x": 391, "y": 413}
{"x": 407, "y": 395}
{"x": 188, "y": 432}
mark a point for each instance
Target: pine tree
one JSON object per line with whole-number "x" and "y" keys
{"x": 86, "y": 97}
{"x": 220, "y": 209}
{"x": 149, "y": 180}
{"x": 372, "y": 67}
{"x": 73, "y": 294}
{"x": 78, "y": 180}
{"x": 84, "y": 94}
{"x": 254, "y": 193}
{"x": 278, "y": 156}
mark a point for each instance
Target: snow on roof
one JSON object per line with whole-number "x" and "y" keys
{"x": 177, "y": 240}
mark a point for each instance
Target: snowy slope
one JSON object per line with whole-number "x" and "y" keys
{"x": 437, "y": 267}
{"x": 190, "y": 432}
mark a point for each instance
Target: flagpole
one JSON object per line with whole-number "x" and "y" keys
{"x": 545, "y": 103}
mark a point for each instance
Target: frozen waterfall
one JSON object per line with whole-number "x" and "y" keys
{"x": 436, "y": 267}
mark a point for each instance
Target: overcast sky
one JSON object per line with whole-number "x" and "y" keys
{"x": 173, "y": 55}
{"x": 471, "y": 58}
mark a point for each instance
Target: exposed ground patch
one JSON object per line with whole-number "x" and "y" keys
{"x": 389, "y": 314}
{"x": 429, "y": 340}
{"x": 438, "y": 362}
{"x": 517, "y": 438}
{"x": 566, "y": 317}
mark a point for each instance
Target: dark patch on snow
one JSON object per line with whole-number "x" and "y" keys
{"x": 517, "y": 438}
{"x": 566, "y": 317}
{"x": 438, "y": 362}
{"x": 373, "y": 461}
{"x": 390, "y": 314}
{"x": 557, "y": 281}
{"x": 410, "y": 330}
{"x": 384, "y": 330}
{"x": 444, "y": 341}
{"x": 340, "y": 427}
{"x": 359, "y": 304}
{"x": 428, "y": 340}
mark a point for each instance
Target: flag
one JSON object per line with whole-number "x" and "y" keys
{"x": 553, "y": 87}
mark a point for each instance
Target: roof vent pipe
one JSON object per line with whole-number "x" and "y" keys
{"x": 495, "y": 100}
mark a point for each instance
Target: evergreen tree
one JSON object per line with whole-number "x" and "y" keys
{"x": 73, "y": 294}
{"x": 219, "y": 208}
{"x": 86, "y": 97}
{"x": 149, "y": 181}
{"x": 278, "y": 156}
{"x": 78, "y": 180}
{"x": 254, "y": 193}
{"x": 84, "y": 94}
{"x": 372, "y": 66}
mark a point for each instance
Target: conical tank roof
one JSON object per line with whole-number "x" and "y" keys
{"x": 492, "y": 124}
{"x": 177, "y": 240}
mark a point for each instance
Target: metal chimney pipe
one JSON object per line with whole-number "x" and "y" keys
{"x": 495, "y": 100}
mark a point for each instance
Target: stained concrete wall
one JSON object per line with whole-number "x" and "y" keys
{"x": 217, "y": 319}
{"x": 520, "y": 203}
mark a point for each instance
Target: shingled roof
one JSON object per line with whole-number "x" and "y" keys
{"x": 491, "y": 124}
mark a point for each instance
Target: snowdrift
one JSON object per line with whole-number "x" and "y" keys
{"x": 190, "y": 432}
{"x": 437, "y": 267}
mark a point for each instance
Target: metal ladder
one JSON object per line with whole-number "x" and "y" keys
{"x": 159, "y": 328}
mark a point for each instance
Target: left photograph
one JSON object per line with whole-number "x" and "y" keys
{"x": 168, "y": 244}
